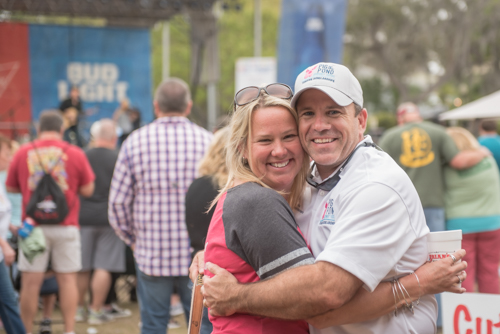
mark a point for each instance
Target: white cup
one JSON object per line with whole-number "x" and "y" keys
{"x": 441, "y": 244}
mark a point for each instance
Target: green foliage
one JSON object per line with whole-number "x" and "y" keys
{"x": 235, "y": 41}
{"x": 386, "y": 119}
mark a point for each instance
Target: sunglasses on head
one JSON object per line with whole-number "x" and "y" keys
{"x": 251, "y": 93}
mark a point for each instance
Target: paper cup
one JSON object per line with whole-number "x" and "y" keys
{"x": 441, "y": 244}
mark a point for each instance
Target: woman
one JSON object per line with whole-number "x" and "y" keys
{"x": 203, "y": 190}
{"x": 473, "y": 205}
{"x": 267, "y": 169}
{"x": 9, "y": 311}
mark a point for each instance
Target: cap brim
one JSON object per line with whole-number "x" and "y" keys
{"x": 340, "y": 98}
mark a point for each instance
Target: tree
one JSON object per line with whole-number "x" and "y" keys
{"x": 449, "y": 42}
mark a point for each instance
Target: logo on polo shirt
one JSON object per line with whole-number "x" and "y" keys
{"x": 416, "y": 148}
{"x": 328, "y": 217}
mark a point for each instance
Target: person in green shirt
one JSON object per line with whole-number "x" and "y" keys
{"x": 472, "y": 203}
{"x": 423, "y": 149}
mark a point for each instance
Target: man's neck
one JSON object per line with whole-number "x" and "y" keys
{"x": 170, "y": 114}
{"x": 104, "y": 144}
{"x": 488, "y": 133}
{"x": 50, "y": 135}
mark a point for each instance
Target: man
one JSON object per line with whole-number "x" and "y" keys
{"x": 361, "y": 218}
{"x": 155, "y": 167}
{"x": 71, "y": 170}
{"x": 423, "y": 149}
{"x": 489, "y": 138}
{"x": 73, "y": 101}
{"x": 102, "y": 251}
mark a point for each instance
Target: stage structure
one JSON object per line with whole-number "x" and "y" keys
{"x": 21, "y": 105}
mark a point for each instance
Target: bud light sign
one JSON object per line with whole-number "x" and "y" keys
{"x": 107, "y": 65}
{"x": 96, "y": 82}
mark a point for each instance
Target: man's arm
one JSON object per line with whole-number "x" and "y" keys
{"x": 121, "y": 197}
{"x": 87, "y": 190}
{"x": 13, "y": 190}
{"x": 435, "y": 277}
{"x": 469, "y": 158}
{"x": 297, "y": 293}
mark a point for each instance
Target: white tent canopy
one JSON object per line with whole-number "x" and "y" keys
{"x": 485, "y": 107}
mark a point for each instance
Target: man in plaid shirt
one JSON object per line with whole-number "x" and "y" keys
{"x": 155, "y": 167}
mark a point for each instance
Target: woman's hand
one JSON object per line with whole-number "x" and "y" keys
{"x": 443, "y": 275}
{"x": 197, "y": 266}
{"x": 14, "y": 229}
{"x": 8, "y": 253}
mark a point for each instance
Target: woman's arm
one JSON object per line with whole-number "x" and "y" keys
{"x": 435, "y": 277}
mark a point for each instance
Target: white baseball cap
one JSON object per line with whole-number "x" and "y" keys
{"x": 335, "y": 80}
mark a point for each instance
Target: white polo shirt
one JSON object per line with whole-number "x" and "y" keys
{"x": 371, "y": 224}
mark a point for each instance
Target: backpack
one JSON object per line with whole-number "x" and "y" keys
{"x": 47, "y": 204}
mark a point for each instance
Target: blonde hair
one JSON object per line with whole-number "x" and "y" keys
{"x": 213, "y": 163}
{"x": 463, "y": 138}
{"x": 240, "y": 130}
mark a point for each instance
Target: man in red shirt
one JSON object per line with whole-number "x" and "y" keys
{"x": 71, "y": 170}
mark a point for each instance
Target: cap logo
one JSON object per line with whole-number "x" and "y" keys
{"x": 309, "y": 71}
{"x": 323, "y": 72}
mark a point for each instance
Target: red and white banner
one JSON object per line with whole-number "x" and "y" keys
{"x": 15, "y": 96}
{"x": 471, "y": 313}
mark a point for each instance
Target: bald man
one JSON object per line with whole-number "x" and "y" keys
{"x": 102, "y": 251}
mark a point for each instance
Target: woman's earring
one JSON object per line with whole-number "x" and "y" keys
{"x": 245, "y": 161}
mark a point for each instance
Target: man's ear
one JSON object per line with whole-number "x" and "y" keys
{"x": 188, "y": 109}
{"x": 155, "y": 108}
{"x": 362, "y": 120}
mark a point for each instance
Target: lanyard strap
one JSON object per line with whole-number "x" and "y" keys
{"x": 332, "y": 182}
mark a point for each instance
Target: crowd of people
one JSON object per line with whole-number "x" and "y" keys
{"x": 290, "y": 196}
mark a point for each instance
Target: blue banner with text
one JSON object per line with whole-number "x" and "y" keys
{"x": 107, "y": 65}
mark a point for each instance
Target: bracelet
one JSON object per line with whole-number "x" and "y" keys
{"x": 409, "y": 305}
{"x": 393, "y": 288}
{"x": 402, "y": 293}
{"x": 419, "y": 289}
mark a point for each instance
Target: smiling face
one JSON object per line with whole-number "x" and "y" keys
{"x": 275, "y": 154}
{"x": 328, "y": 132}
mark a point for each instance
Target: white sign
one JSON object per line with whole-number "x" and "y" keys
{"x": 96, "y": 82}
{"x": 255, "y": 72}
{"x": 471, "y": 313}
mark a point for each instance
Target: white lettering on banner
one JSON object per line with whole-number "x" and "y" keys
{"x": 471, "y": 313}
{"x": 97, "y": 82}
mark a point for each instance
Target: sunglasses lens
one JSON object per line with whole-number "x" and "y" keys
{"x": 246, "y": 95}
{"x": 280, "y": 91}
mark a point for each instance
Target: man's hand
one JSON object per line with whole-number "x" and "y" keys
{"x": 221, "y": 291}
{"x": 439, "y": 276}
{"x": 197, "y": 266}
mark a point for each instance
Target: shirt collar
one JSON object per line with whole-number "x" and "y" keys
{"x": 314, "y": 171}
{"x": 172, "y": 119}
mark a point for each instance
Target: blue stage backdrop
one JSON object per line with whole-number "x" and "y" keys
{"x": 106, "y": 64}
{"x": 310, "y": 32}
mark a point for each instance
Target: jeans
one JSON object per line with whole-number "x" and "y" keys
{"x": 154, "y": 300}
{"x": 436, "y": 222}
{"x": 9, "y": 309}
